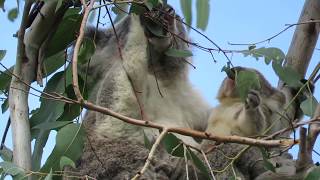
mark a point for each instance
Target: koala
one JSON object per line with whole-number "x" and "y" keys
{"x": 262, "y": 109}
{"x": 142, "y": 82}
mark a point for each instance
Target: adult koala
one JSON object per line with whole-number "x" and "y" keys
{"x": 141, "y": 82}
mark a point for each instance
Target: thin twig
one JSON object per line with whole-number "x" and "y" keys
{"x": 208, "y": 164}
{"x": 75, "y": 82}
{"x": 276, "y": 35}
{"x": 151, "y": 153}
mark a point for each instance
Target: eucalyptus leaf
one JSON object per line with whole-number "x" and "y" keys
{"x": 198, "y": 163}
{"x": 69, "y": 143}
{"x": 147, "y": 142}
{"x": 245, "y": 81}
{"x": 266, "y": 163}
{"x": 5, "y": 105}
{"x": 6, "y": 154}
{"x": 173, "y": 145}
{"x": 314, "y": 174}
{"x": 5, "y": 79}
{"x": 66, "y": 32}
{"x": 309, "y": 105}
{"x": 2, "y": 54}
{"x": 49, "y": 111}
{"x": 51, "y": 125}
{"x": 287, "y": 75}
{"x": 49, "y": 176}
{"x": 269, "y": 54}
{"x": 10, "y": 168}
{"x": 203, "y": 8}
{"x": 65, "y": 161}
{"x": 2, "y": 5}
{"x": 86, "y": 50}
{"x": 178, "y": 53}
{"x": 13, "y": 14}
{"x": 186, "y": 6}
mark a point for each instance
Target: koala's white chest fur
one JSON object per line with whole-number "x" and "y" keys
{"x": 180, "y": 106}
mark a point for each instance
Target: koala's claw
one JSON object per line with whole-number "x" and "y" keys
{"x": 253, "y": 99}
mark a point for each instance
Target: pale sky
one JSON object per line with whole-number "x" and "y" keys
{"x": 244, "y": 21}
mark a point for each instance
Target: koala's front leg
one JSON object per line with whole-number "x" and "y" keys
{"x": 252, "y": 121}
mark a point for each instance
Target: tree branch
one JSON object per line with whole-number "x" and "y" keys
{"x": 18, "y": 100}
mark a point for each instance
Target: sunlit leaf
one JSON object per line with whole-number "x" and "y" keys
{"x": 13, "y": 14}
{"x": 10, "y": 168}
{"x": 178, "y": 53}
{"x": 186, "y": 6}
{"x": 6, "y": 154}
{"x": 314, "y": 174}
{"x": 65, "y": 161}
{"x": 49, "y": 176}
{"x": 245, "y": 81}
{"x": 287, "y": 75}
{"x": 120, "y": 10}
{"x": 309, "y": 105}
{"x": 203, "y": 8}
{"x": 269, "y": 54}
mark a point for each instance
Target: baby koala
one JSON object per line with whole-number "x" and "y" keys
{"x": 260, "y": 113}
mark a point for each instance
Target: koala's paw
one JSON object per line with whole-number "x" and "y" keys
{"x": 167, "y": 17}
{"x": 253, "y": 100}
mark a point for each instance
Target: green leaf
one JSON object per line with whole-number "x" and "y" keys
{"x": 245, "y": 81}
{"x": 49, "y": 176}
{"x": 173, "y": 145}
{"x": 10, "y": 168}
{"x": 266, "y": 163}
{"x": 59, "y": 4}
{"x": 5, "y": 106}
{"x": 198, "y": 163}
{"x": 51, "y": 125}
{"x": 65, "y": 161}
{"x": 287, "y": 75}
{"x": 6, "y": 154}
{"x": 178, "y": 53}
{"x": 49, "y": 111}
{"x": 5, "y": 79}
{"x": 53, "y": 63}
{"x": 151, "y": 3}
{"x": 186, "y": 6}
{"x": 269, "y": 54}
{"x": 13, "y": 14}
{"x": 86, "y": 50}
{"x": 2, "y": 5}
{"x": 137, "y": 9}
{"x": 120, "y": 10}
{"x": 314, "y": 174}
{"x": 309, "y": 105}
{"x": 66, "y": 32}
{"x": 69, "y": 142}
{"x": 2, "y": 54}
{"x": 203, "y": 8}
